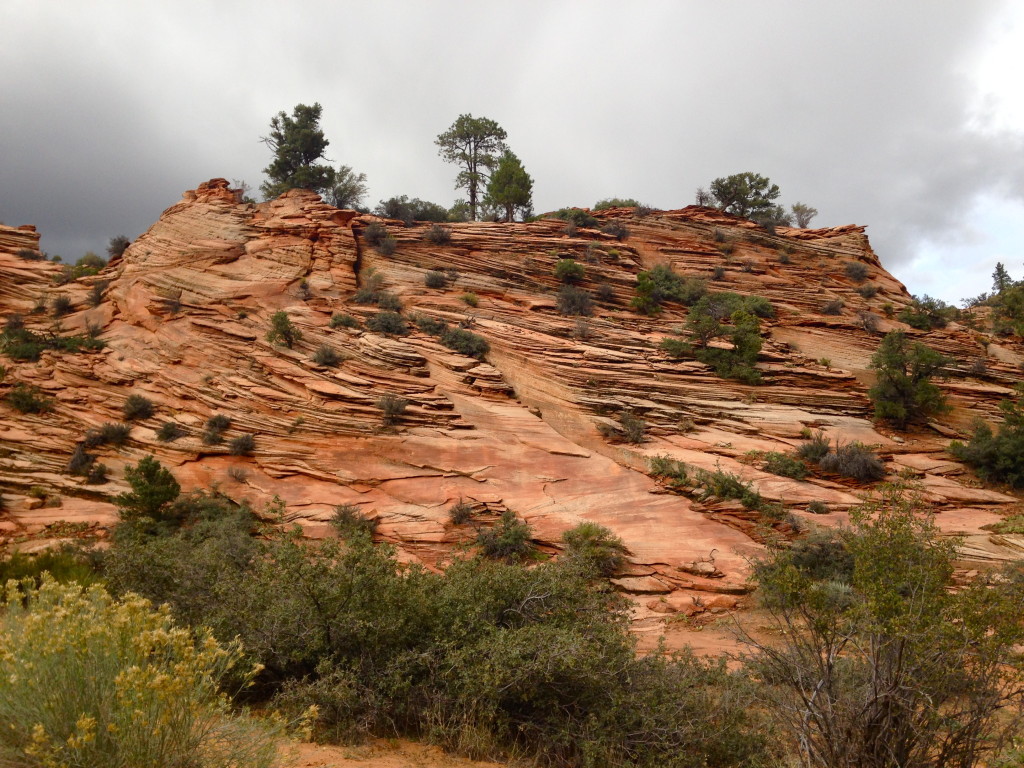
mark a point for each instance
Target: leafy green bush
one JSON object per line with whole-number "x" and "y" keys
{"x": 389, "y": 301}
{"x": 868, "y": 291}
{"x": 242, "y": 445}
{"x": 676, "y": 472}
{"x": 854, "y": 460}
{"x": 134, "y": 689}
{"x": 343, "y": 321}
{"x": 388, "y": 323}
{"x": 926, "y": 313}
{"x": 438, "y": 235}
{"x": 856, "y": 270}
{"x": 19, "y": 343}
{"x": 577, "y": 217}
{"x": 435, "y": 279}
{"x": 997, "y": 457}
{"x": 28, "y": 398}
{"x": 726, "y": 485}
{"x": 347, "y": 521}
{"x": 326, "y": 355}
{"x": 818, "y": 508}
{"x": 508, "y": 539}
{"x": 569, "y": 271}
{"x": 431, "y": 325}
{"x": 282, "y": 330}
{"x": 461, "y": 512}
{"x": 465, "y": 342}
{"x": 815, "y": 449}
{"x": 137, "y": 407}
{"x": 595, "y": 548}
{"x": 471, "y": 299}
{"x": 392, "y": 408}
{"x": 785, "y": 465}
{"x": 153, "y": 489}
{"x": 375, "y": 233}
{"x": 661, "y": 284}
{"x": 109, "y": 434}
{"x": 574, "y": 301}
{"x": 903, "y": 389}
{"x": 615, "y": 202}
{"x": 169, "y": 432}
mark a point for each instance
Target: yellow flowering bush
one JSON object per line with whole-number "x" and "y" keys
{"x": 89, "y": 680}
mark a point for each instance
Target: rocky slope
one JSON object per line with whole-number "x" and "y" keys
{"x": 185, "y": 313}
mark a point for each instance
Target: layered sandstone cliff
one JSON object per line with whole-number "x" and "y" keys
{"x": 185, "y": 313}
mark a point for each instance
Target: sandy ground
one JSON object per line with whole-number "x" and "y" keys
{"x": 377, "y": 753}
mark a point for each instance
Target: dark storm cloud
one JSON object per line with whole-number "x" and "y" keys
{"x": 865, "y": 110}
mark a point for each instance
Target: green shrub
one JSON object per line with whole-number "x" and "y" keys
{"x": 818, "y": 508}
{"x": 375, "y": 233}
{"x": 28, "y": 398}
{"x": 615, "y": 202}
{"x": 726, "y": 485}
{"x": 97, "y": 474}
{"x": 305, "y": 292}
{"x": 997, "y": 457}
{"x": 815, "y": 449}
{"x": 326, "y": 355}
{"x": 430, "y": 325}
{"x": 343, "y": 321}
{"x": 347, "y": 521}
{"x": 616, "y": 229}
{"x": 575, "y": 301}
{"x": 785, "y": 465}
{"x": 926, "y": 313}
{"x": 470, "y": 298}
{"x": 508, "y": 539}
{"x": 242, "y": 445}
{"x": 569, "y": 271}
{"x": 389, "y": 301}
{"x": 81, "y": 461}
{"x": 461, "y": 512}
{"x": 169, "y": 432}
{"x": 676, "y": 472}
{"x": 29, "y": 255}
{"x": 61, "y": 305}
{"x": 435, "y": 279}
{"x": 661, "y": 284}
{"x": 466, "y": 342}
{"x": 389, "y": 323}
{"x": 868, "y": 291}
{"x": 856, "y": 270}
{"x": 137, "y": 407}
{"x": 633, "y": 427}
{"x": 577, "y": 217}
{"x": 854, "y": 460}
{"x": 134, "y": 689}
{"x": 387, "y": 246}
{"x": 113, "y": 434}
{"x": 66, "y": 564}
{"x": 595, "y": 548}
{"x": 216, "y": 425}
{"x": 392, "y": 408}
{"x": 605, "y": 293}
{"x": 282, "y": 330}
{"x": 438, "y": 235}
{"x": 153, "y": 489}
{"x": 903, "y": 389}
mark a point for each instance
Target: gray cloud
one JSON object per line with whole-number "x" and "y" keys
{"x": 865, "y": 110}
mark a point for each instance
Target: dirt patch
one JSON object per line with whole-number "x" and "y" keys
{"x": 377, "y": 753}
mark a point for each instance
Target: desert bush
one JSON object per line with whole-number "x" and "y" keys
{"x": 605, "y": 293}
{"x": 375, "y": 233}
{"x": 431, "y": 325}
{"x": 594, "y": 548}
{"x": 509, "y": 539}
{"x": 818, "y": 508}
{"x": 868, "y": 321}
{"x": 392, "y": 408}
{"x": 389, "y": 301}
{"x": 97, "y": 474}
{"x": 616, "y": 229}
{"x": 28, "y": 398}
{"x": 61, "y": 305}
{"x": 854, "y": 460}
{"x": 615, "y": 202}
{"x": 785, "y": 465}
{"x": 343, "y": 321}
{"x": 868, "y": 290}
{"x": 326, "y": 355}
{"x": 388, "y": 323}
{"x": 577, "y": 217}
{"x": 387, "y": 246}
{"x": 726, "y": 485}
{"x": 29, "y": 255}
{"x": 305, "y": 292}
{"x": 833, "y": 307}
{"x": 153, "y": 489}
{"x": 574, "y": 301}
{"x": 137, "y": 407}
{"x": 216, "y": 425}
{"x": 470, "y": 299}
{"x": 784, "y": 258}
{"x": 438, "y": 235}
{"x": 347, "y": 521}
{"x": 856, "y": 270}
{"x": 461, "y": 512}
{"x": 465, "y": 342}
{"x": 569, "y": 271}
{"x": 134, "y": 688}
{"x": 926, "y": 313}
{"x": 113, "y": 434}
{"x": 282, "y": 330}
{"x": 435, "y": 279}
{"x": 815, "y": 449}
{"x": 997, "y": 456}
{"x": 718, "y": 273}
{"x": 633, "y": 428}
{"x": 81, "y": 460}
{"x": 242, "y": 445}
{"x": 169, "y": 432}
{"x": 903, "y": 389}
{"x": 661, "y": 284}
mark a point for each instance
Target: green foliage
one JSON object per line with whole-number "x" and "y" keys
{"x": 326, "y": 355}
{"x": 616, "y": 229}
{"x": 375, "y": 233}
{"x": 574, "y": 301}
{"x": 431, "y": 325}
{"x": 903, "y": 390}
{"x": 595, "y": 549}
{"x": 569, "y": 271}
{"x": 409, "y": 211}
{"x": 739, "y": 361}
{"x": 347, "y": 521}
{"x": 28, "y": 398}
{"x": 460, "y": 513}
{"x": 926, "y": 313}
{"x": 343, "y": 321}
{"x": 675, "y": 472}
{"x": 997, "y": 457}
{"x": 153, "y": 491}
{"x": 297, "y": 142}
{"x": 108, "y": 434}
{"x": 868, "y": 291}
{"x": 19, "y": 343}
{"x": 64, "y": 565}
{"x": 389, "y": 301}
{"x": 661, "y": 284}
{"x": 577, "y": 217}
{"x": 615, "y": 202}
{"x": 508, "y": 539}
{"x": 475, "y": 145}
{"x": 438, "y": 235}
{"x": 818, "y": 508}
{"x": 392, "y": 408}
{"x": 875, "y": 660}
{"x": 465, "y": 342}
{"x": 435, "y": 279}
{"x": 137, "y": 407}
{"x": 833, "y": 307}
{"x": 282, "y": 330}
{"x": 854, "y": 460}
{"x": 93, "y": 681}
{"x": 347, "y": 188}
{"x": 61, "y": 305}
{"x": 726, "y": 485}
{"x": 471, "y": 299}
{"x": 815, "y": 449}
{"x": 242, "y": 445}
{"x": 802, "y": 214}
{"x": 389, "y": 323}
{"x": 745, "y": 194}
{"x": 510, "y": 187}
{"x": 633, "y": 428}
{"x": 856, "y": 270}
{"x": 29, "y": 255}
{"x": 785, "y": 465}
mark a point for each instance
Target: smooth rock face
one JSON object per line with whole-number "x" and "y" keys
{"x": 185, "y": 319}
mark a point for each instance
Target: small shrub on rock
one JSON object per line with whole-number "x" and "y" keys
{"x": 386, "y": 246}
{"x": 326, "y": 355}
{"x": 815, "y": 449}
{"x": 854, "y": 460}
{"x": 388, "y": 323}
{"x": 28, "y": 398}
{"x": 466, "y": 342}
{"x": 461, "y": 512}
{"x": 569, "y": 271}
{"x": 856, "y": 270}
{"x": 471, "y": 299}
{"x": 343, "y": 321}
{"x": 508, "y": 540}
{"x": 243, "y": 445}
{"x": 282, "y": 330}
{"x": 375, "y": 233}
{"x": 818, "y": 508}
{"x": 348, "y": 522}
{"x": 137, "y": 407}
{"x": 595, "y": 549}
{"x": 833, "y": 307}
{"x": 616, "y": 229}
{"x": 784, "y": 465}
{"x": 169, "y": 432}
{"x": 435, "y": 279}
{"x": 438, "y": 235}
{"x": 392, "y": 408}
{"x": 605, "y": 293}
{"x": 61, "y": 306}
{"x": 575, "y": 301}
{"x": 868, "y": 290}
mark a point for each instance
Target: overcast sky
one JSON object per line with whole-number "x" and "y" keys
{"x": 904, "y": 116}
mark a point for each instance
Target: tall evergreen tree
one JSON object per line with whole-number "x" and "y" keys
{"x": 475, "y": 144}
{"x": 510, "y": 187}
{"x": 745, "y": 194}
{"x": 298, "y": 142}
{"x": 1001, "y": 279}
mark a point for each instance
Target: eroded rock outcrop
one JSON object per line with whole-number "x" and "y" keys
{"x": 185, "y": 314}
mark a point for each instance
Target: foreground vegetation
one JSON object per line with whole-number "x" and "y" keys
{"x": 876, "y": 662}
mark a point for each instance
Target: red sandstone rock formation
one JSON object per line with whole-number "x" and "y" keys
{"x": 185, "y": 319}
